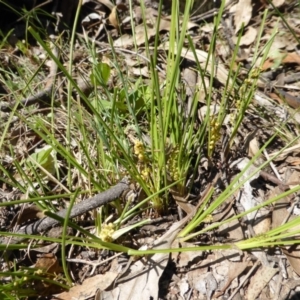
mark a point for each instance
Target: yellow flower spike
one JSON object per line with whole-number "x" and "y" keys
{"x": 141, "y": 157}
{"x": 208, "y": 219}
{"x": 38, "y": 272}
{"x": 242, "y": 89}
{"x": 238, "y": 103}
{"x": 145, "y": 173}
{"x": 107, "y": 231}
{"x": 255, "y": 72}
{"x": 110, "y": 225}
{"x": 248, "y": 81}
{"x": 138, "y": 147}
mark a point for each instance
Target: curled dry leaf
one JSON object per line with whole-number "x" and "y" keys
{"x": 253, "y": 147}
{"x": 113, "y": 18}
{"x": 243, "y": 14}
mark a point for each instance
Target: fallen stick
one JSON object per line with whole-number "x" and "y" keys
{"x": 84, "y": 206}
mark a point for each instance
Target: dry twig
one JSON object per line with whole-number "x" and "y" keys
{"x": 89, "y": 204}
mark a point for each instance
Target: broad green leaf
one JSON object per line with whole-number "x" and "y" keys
{"x": 44, "y": 157}
{"x": 100, "y": 74}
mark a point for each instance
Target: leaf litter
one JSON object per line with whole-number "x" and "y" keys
{"x": 209, "y": 274}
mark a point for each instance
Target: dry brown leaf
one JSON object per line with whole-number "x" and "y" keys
{"x": 201, "y": 88}
{"x": 253, "y": 147}
{"x": 279, "y": 212}
{"x": 138, "y": 15}
{"x": 235, "y": 270}
{"x": 286, "y": 152}
{"x": 113, "y": 17}
{"x": 278, "y": 58}
{"x": 186, "y": 259}
{"x": 144, "y": 71}
{"x": 288, "y": 286}
{"x": 292, "y": 58}
{"x": 53, "y": 248}
{"x": 232, "y": 229}
{"x": 121, "y": 6}
{"x": 212, "y": 110}
{"x": 294, "y": 179}
{"x": 183, "y": 286}
{"x": 259, "y": 281}
{"x": 249, "y": 37}
{"x": 48, "y": 267}
{"x": 293, "y": 161}
{"x": 189, "y": 77}
{"x": 205, "y": 61}
{"x": 89, "y": 287}
{"x": 271, "y": 62}
{"x": 199, "y": 279}
{"x": 29, "y": 213}
{"x": 214, "y": 270}
{"x": 293, "y": 256}
{"x": 243, "y": 14}
{"x": 260, "y": 218}
{"x": 279, "y": 216}
{"x": 182, "y": 201}
{"x": 48, "y": 263}
{"x": 280, "y": 41}
{"x": 126, "y": 40}
{"x": 144, "y": 276}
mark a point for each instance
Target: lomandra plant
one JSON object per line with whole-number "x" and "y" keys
{"x": 160, "y": 150}
{"x": 138, "y": 129}
{"x": 173, "y": 141}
